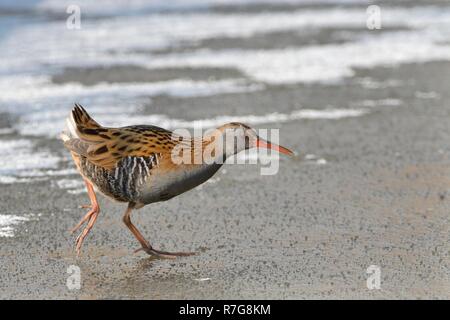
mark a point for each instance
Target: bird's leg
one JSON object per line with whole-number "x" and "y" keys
{"x": 91, "y": 216}
{"x": 144, "y": 243}
{"x": 93, "y": 206}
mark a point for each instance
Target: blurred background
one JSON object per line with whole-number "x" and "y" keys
{"x": 183, "y": 63}
{"x": 354, "y": 89}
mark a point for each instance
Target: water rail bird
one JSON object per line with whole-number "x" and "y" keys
{"x": 135, "y": 164}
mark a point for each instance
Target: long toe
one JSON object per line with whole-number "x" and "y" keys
{"x": 165, "y": 254}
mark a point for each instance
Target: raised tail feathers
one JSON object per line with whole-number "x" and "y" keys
{"x": 80, "y": 125}
{"x": 82, "y": 118}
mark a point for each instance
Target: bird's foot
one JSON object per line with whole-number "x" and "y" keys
{"x": 94, "y": 210}
{"x": 85, "y": 232}
{"x": 164, "y": 254}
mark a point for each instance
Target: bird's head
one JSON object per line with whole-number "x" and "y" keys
{"x": 239, "y": 136}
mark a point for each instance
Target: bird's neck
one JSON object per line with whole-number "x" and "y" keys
{"x": 220, "y": 146}
{"x": 211, "y": 148}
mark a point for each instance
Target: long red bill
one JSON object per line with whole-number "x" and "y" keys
{"x": 260, "y": 143}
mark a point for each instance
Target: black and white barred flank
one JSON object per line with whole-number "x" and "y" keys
{"x": 125, "y": 181}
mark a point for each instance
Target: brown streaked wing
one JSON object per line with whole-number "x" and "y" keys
{"x": 114, "y": 144}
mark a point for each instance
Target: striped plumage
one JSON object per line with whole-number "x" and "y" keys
{"x": 134, "y": 164}
{"x": 125, "y": 182}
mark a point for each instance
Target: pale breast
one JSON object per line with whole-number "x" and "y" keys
{"x": 165, "y": 185}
